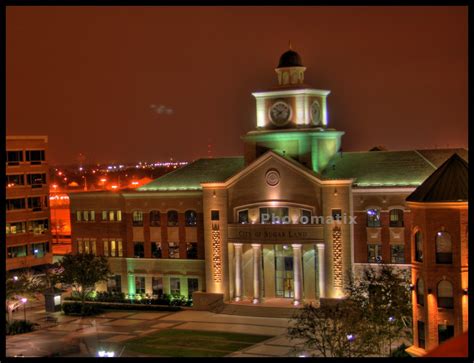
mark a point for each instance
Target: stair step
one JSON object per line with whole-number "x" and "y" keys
{"x": 257, "y": 311}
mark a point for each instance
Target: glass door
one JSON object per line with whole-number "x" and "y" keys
{"x": 284, "y": 271}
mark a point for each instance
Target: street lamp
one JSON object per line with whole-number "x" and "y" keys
{"x": 24, "y": 300}
{"x": 15, "y": 278}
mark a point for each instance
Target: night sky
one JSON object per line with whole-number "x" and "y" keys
{"x": 149, "y": 83}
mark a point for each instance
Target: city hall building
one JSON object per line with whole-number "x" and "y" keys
{"x": 275, "y": 223}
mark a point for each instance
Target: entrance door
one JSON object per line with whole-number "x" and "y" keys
{"x": 283, "y": 271}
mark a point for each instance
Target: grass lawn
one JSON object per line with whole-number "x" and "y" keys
{"x": 192, "y": 343}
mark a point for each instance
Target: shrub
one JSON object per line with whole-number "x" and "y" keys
{"x": 76, "y": 308}
{"x": 20, "y": 327}
{"x": 137, "y": 299}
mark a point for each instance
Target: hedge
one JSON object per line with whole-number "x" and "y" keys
{"x": 93, "y": 308}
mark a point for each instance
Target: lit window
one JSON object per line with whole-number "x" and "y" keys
{"x": 113, "y": 248}
{"x": 106, "y": 247}
{"x": 157, "y": 285}
{"x": 173, "y": 250}
{"x": 137, "y": 218}
{"x": 119, "y": 248}
{"x": 373, "y": 217}
{"x": 175, "y": 286}
{"x": 119, "y": 215}
{"x": 444, "y": 248}
{"x": 396, "y": 218}
{"x": 445, "y": 294}
{"x": 111, "y": 216}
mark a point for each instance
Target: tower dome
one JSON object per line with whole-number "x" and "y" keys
{"x": 290, "y": 69}
{"x": 290, "y": 59}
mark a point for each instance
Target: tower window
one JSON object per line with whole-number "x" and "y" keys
{"x": 418, "y": 246}
{"x": 190, "y": 218}
{"x": 444, "y": 248}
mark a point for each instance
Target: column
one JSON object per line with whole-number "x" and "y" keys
{"x": 297, "y": 274}
{"x": 257, "y": 267}
{"x": 238, "y": 271}
{"x": 321, "y": 277}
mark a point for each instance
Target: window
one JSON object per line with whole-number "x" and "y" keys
{"x": 173, "y": 250}
{"x": 396, "y": 218}
{"x": 305, "y": 216}
{"x": 172, "y": 218}
{"x": 374, "y": 253}
{"x": 78, "y": 216}
{"x": 190, "y": 218}
{"x": 418, "y": 246}
{"x": 421, "y": 334}
{"x": 139, "y": 249}
{"x": 274, "y": 215}
{"x": 139, "y": 284}
{"x": 119, "y": 215}
{"x": 39, "y": 249}
{"x": 35, "y": 156}
{"x": 79, "y": 245}
{"x": 373, "y": 217}
{"x": 36, "y": 180}
{"x": 119, "y": 248}
{"x": 106, "y": 247}
{"x": 445, "y": 295}
{"x": 114, "y": 284}
{"x": 156, "y": 250}
{"x": 157, "y": 285}
{"x": 445, "y": 332}
{"x": 192, "y": 286}
{"x": 214, "y": 215}
{"x": 397, "y": 253}
{"x": 14, "y": 157}
{"x": 336, "y": 214}
{"x": 420, "y": 292}
{"x": 17, "y": 251}
{"x": 16, "y": 179}
{"x": 93, "y": 246}
{"x": 113, "y": 248}
{"x": 444, "y": 248}
{"x": 111, "y": 215}
{"x": 38, "y": 227}
{"x": 244, "y": 216}
{"x": 155, "y": 218}
{"x": 17, "y": 203}
{"x": 191, "y": 250}
{"x": 16, "y": 227}
{"x": 137, "y": 218}
{"x": 175, "y": 286}
{"x": 34, "y": 203}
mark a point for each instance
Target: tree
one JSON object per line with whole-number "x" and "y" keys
{"x": 83, "y": 271}
{"x": 20, "y": 286}
{"x": 336, "y": 330}
{"x": 383, "y": 295}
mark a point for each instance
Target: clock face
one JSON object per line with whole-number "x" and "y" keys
{"x": 280, "y": 113}
{"x": 315, "y": 113}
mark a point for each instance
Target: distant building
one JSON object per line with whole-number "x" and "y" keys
{"x": 205, "y": 227}
{"x": 439, "y": 236}
{"x": 27, "y": 203}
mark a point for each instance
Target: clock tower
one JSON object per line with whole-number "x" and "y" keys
{"x": 292, "y": 119}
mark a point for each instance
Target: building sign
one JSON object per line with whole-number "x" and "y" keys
{"x": 286, "y": 233}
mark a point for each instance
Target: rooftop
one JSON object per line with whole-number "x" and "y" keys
{"x": 408, "y": 168}
{"x": 192, "y": 175}
{"x": 448, "y": 183}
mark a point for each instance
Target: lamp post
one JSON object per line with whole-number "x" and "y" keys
{"x": 24, "y": 300}
{"x": 350, "y": 338}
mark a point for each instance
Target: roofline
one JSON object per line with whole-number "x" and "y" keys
{"x": 28, "y": 137}
{"x": 356, "y": 190}
{"x": 438, "y": 205}
{"x": 245, "y": 171}
{"x": 301, "y": 91}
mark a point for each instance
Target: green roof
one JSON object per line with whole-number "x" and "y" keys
{"x": 449, "y": 183}
{"x": 191, "y": 176}
{"x": 388, "y": 168}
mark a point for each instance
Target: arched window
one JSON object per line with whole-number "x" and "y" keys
{"x": 190, "y": 217}
{"x": 172, "y": 218}
{"x": 396, "y": 218}
{"x": 137, "y": 218}
{"x": 444, "y": 248}
{"x": 155, "y": 218}
{"x": 445, "y": 294}
{"x": 418, "y": 246}
{"x": 420, "y": 292}
{"x": 373, "y": 217}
